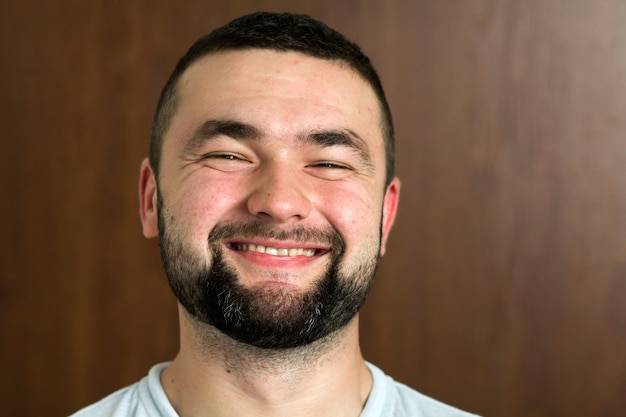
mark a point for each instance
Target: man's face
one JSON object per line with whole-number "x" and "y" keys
{"x": 271, "y": 206}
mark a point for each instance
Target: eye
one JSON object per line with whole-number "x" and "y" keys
{"x": 331, "y": 165}
{"x": 330, "y": 170}
{"x": 225, "y": 161}
{"x": 223, "y": 156}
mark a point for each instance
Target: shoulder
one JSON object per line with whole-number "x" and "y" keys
{"x": 413, "y": 403}
{"x": 391, "y": 398}
{"x": 118, "y": 404}
{"x": 145, "y": 398}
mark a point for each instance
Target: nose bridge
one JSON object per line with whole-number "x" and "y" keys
{"x": 279, "y": 193}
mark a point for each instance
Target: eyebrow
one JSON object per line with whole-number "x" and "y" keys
{"x": 213, "y": 128}
{"x": 347, "y": 137}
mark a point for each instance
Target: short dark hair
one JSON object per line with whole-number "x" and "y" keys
{"x": 280, "y": 32}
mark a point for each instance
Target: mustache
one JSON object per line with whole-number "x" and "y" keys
{"x": 259, "y": 229}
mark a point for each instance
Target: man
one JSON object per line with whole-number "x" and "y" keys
{"x": 270, "y": 186}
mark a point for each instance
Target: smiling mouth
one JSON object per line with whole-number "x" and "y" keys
{"x": 286, "y": 252}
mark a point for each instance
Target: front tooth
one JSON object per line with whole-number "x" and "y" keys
{"x": 275, "y": 251}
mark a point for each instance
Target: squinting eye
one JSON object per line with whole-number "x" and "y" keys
{"x": 332, "y": 171}
{"x": 226, "y": 161}
{"x": 330, "y": 165}
{"x": 224, "y": 156}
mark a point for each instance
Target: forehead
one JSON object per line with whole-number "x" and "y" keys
{"x": 278, "y": 92}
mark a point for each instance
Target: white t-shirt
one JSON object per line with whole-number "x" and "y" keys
{"x": 388, "y": 398}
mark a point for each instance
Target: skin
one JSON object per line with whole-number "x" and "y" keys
{"x": 276, "y": 175}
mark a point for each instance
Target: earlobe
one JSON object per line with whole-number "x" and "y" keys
{"x": 390, "y": 207}
{"x": 148, "y": 200}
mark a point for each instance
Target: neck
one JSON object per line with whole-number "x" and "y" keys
{"x": 214, "y": 375}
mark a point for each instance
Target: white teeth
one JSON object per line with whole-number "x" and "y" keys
{"x": 275, "y": 251}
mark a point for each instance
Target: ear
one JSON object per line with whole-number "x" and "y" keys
{"x": 148, "y": 200}
{"x": 390, "y": 207}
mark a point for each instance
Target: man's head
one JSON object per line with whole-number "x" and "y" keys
{"x": 279, "y": 32}
{"x": 272, "y": 203}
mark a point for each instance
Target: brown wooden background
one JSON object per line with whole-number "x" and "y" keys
{"x": 504, "y": 289}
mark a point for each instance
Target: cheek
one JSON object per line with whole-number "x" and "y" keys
{"x": 354, "y": 212}
{"x": 200, "y": 204}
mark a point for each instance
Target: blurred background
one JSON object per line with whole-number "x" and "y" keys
{"x": 503, "y": 291}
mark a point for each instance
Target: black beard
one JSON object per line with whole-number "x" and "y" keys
{"x": 274, "y": 318}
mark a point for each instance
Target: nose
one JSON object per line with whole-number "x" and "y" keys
{"x": 279, "y": 195}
